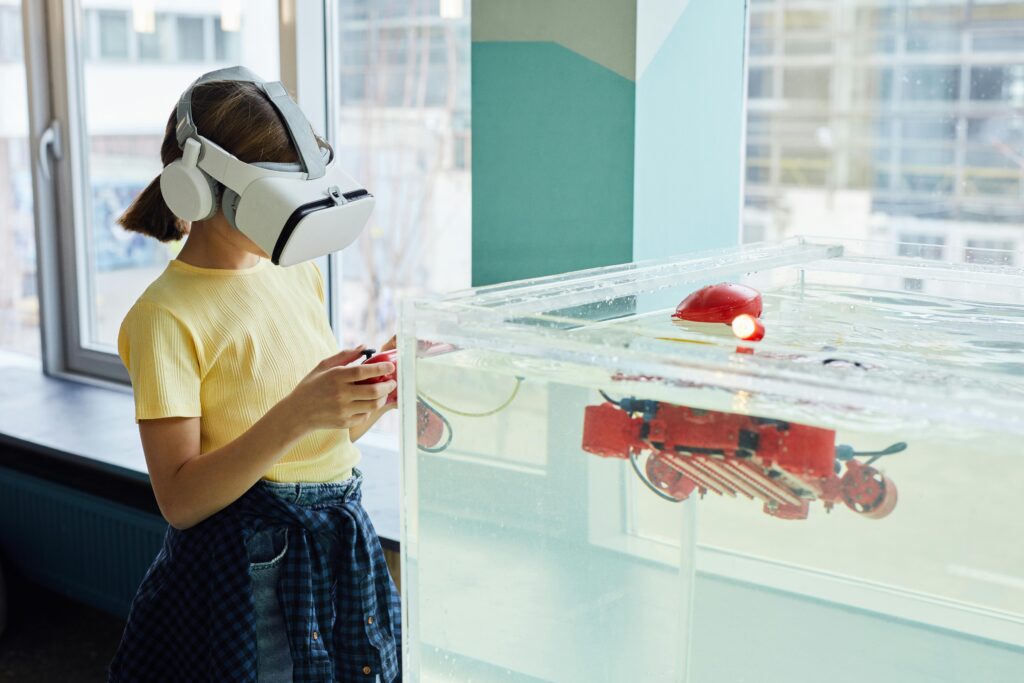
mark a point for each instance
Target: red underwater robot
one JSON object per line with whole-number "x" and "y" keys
{"x": 783, "y": 464}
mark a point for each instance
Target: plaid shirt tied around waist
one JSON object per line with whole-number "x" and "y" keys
{"x": 193, "y": 616}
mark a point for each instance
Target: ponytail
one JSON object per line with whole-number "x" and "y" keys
{"x": 149, "y": 215}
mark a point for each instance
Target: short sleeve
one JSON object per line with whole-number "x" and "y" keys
{"x": 318, "y": 278}
{"x": 160, "y": 355}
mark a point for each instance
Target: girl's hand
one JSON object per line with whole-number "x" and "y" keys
{"x": 388, "y": 346}
{"x": 329, "y": 398}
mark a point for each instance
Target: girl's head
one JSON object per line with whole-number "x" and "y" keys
{"x": 238, "y": 117}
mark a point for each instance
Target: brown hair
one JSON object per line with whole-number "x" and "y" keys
{"x": 238, "y": 117}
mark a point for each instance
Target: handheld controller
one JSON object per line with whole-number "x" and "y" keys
{"x": 390, "y": 356}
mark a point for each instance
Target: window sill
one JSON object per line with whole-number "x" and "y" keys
{"x": 85, "y": 437}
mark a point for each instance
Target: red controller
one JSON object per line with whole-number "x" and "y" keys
{"x": 384, "y": 357}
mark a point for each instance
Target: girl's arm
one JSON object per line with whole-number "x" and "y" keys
{"x": 191, "y": 486}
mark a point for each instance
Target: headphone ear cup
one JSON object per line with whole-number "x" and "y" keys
{"x": 189, "y": 193}
{"x": 229, "y": 204}
{"x": 214, "y": 196}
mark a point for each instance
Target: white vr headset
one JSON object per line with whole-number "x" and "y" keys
{"x": 294, "y": 211}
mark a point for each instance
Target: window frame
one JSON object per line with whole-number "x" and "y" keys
{"x": 54, "y": 105}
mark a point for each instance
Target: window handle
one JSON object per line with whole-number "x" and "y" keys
{"x": 50, "y": 145}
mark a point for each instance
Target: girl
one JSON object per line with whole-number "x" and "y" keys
{"x": 270, "y": 569}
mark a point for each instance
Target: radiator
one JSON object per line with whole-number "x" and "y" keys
{"x": 88, "y": 548}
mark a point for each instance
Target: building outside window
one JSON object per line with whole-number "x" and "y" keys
{"x": 886, "y": 119}
{"x": 152, "y": 68}
{"x": 401, "y": 123}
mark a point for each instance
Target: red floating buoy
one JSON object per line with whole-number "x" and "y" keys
{"x": 720, "y": 303}
{"x": 729, "y": 303}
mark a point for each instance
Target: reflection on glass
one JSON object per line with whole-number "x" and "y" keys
{"x": 401, "y": 124}
{"x": 876, "y": 119}
{"x": 557, "y": 515}
{"x": 124, "y": 141}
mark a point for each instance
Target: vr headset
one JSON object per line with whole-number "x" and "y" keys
{"x": 294, "y": 211}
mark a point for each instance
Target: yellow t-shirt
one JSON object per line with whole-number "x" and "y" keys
{"x": 225, "y": 346}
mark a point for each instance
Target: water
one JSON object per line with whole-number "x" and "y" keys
{"x": 528, "y": 558}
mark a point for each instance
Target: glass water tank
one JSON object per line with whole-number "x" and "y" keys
{"x": 595, "y": 489}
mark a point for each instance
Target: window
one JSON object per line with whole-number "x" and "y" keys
{"x": 913, "y": 284}
{"x": 872, "y": 84}
{"x": 122, "y": 152}
{"x": 917, "y": 245}
{"x": 806, "y": 84}
{"x": 227, "y": 45}
{"x": 998, "y": 83}
{"x": 113, "y": 34}
{"x": 19, "y": 304}
{"x": 158, "y": 45}
{"x": 925, "y": 83}
{"x": 909, "y": 132}
{"x": 998, "y": 42}
{"x": 759, "y": 83}
{"x": 990, "y": 252}
{"x": 175, "y": 37}
{"x": 401, "y": 124}
{"x": 10, "y": 34}
{"x": 917, "y": 110}
{"x": 191, "y": 38}
{"x": 933, "y": 41}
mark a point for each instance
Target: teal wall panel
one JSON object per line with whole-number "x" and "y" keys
{"x": 689, "y": 122}
{"x": 552, "y": 162}
{"x": 88, "y": 548}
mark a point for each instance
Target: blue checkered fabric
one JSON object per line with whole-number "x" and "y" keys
{"x": 193, "y": 617}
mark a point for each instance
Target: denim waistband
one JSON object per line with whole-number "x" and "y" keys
{"x": 313, "y": 492}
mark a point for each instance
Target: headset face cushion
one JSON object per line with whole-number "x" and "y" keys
{"x": 229, "y": 198}
{"x": 190, "y": 194}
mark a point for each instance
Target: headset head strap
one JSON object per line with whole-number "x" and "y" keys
{"x": 294, "y": 121}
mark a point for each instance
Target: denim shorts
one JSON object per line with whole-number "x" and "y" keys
{"x": 266, "y": 551}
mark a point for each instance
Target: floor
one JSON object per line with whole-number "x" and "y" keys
{"x": 52, "y": 639}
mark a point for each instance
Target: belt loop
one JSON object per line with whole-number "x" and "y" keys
{"x": 298, "y": 488}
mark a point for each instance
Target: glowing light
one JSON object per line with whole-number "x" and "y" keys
{"x": 231, "y": 15}
{"x": 451, "y": 9}
{"x": 748, "y": 328}
{"x": 143, "y": 16}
